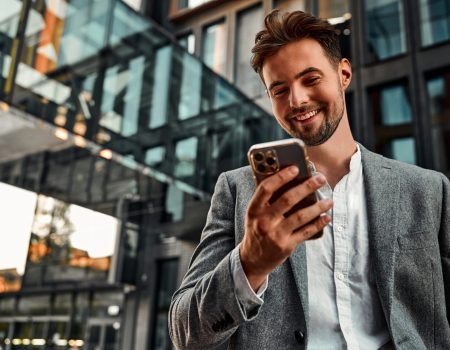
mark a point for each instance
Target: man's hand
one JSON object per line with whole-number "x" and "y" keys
{"x": 269, "y": 236}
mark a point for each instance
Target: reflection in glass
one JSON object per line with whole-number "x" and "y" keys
{"x": 214, "y": 46}
{"x": 33, "y": 305}
{"x": 132, "y": 97}
{"x": 392, "y": 115}
{"x": 439, "y": 96}
{"x": 106, "y": 304}
{"x": 402, "y": 149}
{"x": 66, "y": 237}
{"x": 395, "y": 105}
{"x": 248, "y": 24}
{"x": 186, "y": 155}
{"x": 385, "y": 28}
{"x": 187, "y": 42}
{"x": 16, "y": 218}
{"x": 155, "y": 156}
{"x": 160, "y": 96}
{"x": 435, "y": 21}
{"x": 190, "y": 89}
{"x": 174, "y": 203}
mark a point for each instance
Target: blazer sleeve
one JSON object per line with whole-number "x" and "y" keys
{"x": 205, "y": 312}
{"x": 444, "y": 240}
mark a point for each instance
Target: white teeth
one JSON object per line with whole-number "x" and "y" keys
{"x": 306, "y": 115}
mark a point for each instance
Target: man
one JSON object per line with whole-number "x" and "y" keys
{"x": 379, "y": 276}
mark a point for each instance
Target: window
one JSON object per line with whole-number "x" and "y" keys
{"x": 438, "y": 89}
{"x": 214, "y": 47}
{"x": 160, "y": 96}
{"x": 435, "y": 21}
{"x": 190, "y": 87}
{"x": 385, "y": 29}
{"x": 186, "y": 156}
{"x": 249, "y": 22}
{"x": 155, "y": 156}
{"x": 188, "y": 42}
{"x": 166, "y": 286}
{"x": 190, "y": 3}
{"x": 393, "y": 122}
{"x": 337, "y": 13}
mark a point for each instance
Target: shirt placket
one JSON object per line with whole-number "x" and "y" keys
{"x": 341, "y": 263}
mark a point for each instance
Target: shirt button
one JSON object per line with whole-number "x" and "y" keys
{"x": 340, "y": 228}
{"x": 340, "y": 276}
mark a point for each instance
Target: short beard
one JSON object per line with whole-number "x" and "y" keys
{"x": 327, "y": 129}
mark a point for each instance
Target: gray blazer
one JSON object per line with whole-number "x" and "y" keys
{"x": 409, "y": 230}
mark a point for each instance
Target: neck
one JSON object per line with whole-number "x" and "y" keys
{"x": 332, "y": 158}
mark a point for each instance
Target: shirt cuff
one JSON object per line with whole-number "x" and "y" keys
{"x": 244, "y": 292}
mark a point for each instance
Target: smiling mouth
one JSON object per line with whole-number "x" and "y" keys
{"x": 306, "y": 116}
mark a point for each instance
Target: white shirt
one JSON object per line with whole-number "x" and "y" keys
{"x": 344, "y": 309}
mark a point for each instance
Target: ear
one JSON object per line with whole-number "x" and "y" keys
{"x": 345, "y": 69}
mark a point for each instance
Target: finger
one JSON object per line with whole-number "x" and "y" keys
{"x": 297, "y": 193}
{"x": 306, "y": 215}
{"x": 268, "y": 186}
{"x": 308, "y": 231}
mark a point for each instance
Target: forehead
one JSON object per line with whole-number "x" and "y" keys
{"x": 293, "y": 58}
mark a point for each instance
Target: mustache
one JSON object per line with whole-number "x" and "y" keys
{"x": 301, "y": 110}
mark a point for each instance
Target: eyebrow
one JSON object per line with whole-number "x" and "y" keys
{"x": 297, "y": 76}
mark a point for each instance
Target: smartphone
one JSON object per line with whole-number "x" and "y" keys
{"x": 268, "y": 158}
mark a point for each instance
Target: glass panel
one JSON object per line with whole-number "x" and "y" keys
{"x": 7, "y": 306}
{"x": 187, "y": 42}
{"x": 190, "y": 89}
{"x": 94, "y": 337}
{"x": 435, "y": 21}
{"x": 34, "y": 305}
{"x": 439, "y": 107}
{"x": 126, "y": 23}
{"x": 107, "y": 304}
{"x": 167, "y": 284}
{"x": 62, "y": 304}
{"x": 155, "y": 156}
{"x": 16, "y": 217}
{"x": 80, "y": 316}
{"x": 395, "y": 105}
{"x": 249, "y": 22}
{"x": 214, "y": 47}
{"x": 402, "y": 149}
{"x": 174, "y": 203}
{"x": 132, "y": 97}
{"x": 337, "y": 12}
{"x": 385, "y": 28}
{"x": 85, "y": 29}
{"x": 394, "y": 134}
{"x": 160, "y": 96}
{"x": 186, "y": 155}
{"x": 190, "y": 3}
{"x": 57, "y": 335}
{"x": 4, "y": 333}
{"x": 62, "y": 242}
{"x": 111, "y": 336}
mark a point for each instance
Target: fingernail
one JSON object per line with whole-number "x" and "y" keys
{"x": 320, "y": 179}
{"x": 293, "y": 170}
{"x": 326, "y": 218}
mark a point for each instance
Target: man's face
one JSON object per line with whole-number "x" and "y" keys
{"x": 306, "y": 90}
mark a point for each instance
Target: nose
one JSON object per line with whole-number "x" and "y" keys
{"x": 298, "y": 96}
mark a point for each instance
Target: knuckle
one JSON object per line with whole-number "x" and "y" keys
{"x": 324, "y": 204}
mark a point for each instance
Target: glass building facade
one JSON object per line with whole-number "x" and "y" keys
{"x": 114, "y": 131}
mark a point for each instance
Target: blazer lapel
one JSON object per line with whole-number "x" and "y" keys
{"x": 382, "y": 197}
{"x": 298, "y": 264}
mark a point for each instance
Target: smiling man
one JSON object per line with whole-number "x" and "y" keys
{"x": 379, "y": 276}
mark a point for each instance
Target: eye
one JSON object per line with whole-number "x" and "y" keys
{"x": 279, "y": 92}
{"x": 312, "y": 80}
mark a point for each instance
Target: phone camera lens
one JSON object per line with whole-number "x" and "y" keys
{"x": 258, "y": 157}
{"x": 270, "y": 161}
{"x": 261, "y": 168}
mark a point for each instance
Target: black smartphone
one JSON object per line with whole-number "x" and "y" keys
{"x": 268, "y": 158}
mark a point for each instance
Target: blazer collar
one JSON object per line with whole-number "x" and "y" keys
{"x": 383, "y": 198}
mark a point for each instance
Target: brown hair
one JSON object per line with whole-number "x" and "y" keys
{"x": 290, "y": 27}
